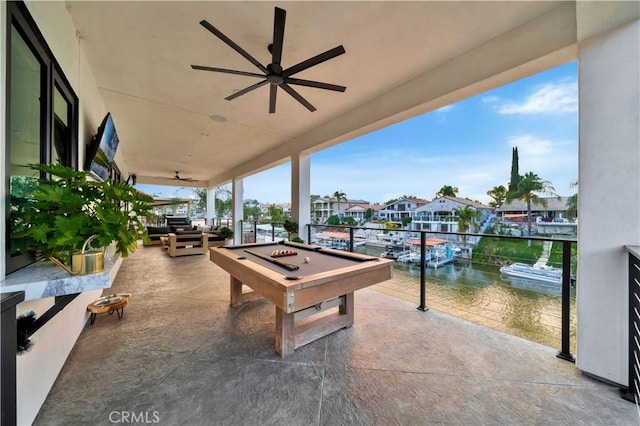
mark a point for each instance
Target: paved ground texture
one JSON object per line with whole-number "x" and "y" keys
{"x": 181, "y": 355}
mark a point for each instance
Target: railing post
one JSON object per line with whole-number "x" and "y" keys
{"x": 273, "y": 232}
{"x": 255, "y": 231}
{"x": 241, "y": 231}
{"x": 565, "y": 352}
{"x": 309, "y": 233}
{"x": 423, "y": 266}
{"x": 351, "y": 239}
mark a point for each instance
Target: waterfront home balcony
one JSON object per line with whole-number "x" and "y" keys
{"x": 181, "y": 355}
{"x": 132, "y": 60}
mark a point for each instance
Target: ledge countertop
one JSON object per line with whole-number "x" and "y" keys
{"x": 634, "y": 250}
{"x": 45, "y": 279}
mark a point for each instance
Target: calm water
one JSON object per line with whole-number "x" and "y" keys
{"x": 479, "y": 293}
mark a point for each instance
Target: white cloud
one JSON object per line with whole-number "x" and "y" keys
{"x": 445, "y": 108}
{"x": 529, "y": 145}
{"x": 552, "y": 160}
{"x": 550, "y": 98}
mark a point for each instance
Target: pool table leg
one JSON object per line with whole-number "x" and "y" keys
{"x": 347, "y": 309}
{"x": 285, "y": 336}
{"x": 235, "y": 287}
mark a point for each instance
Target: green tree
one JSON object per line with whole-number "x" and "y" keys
{"x": 466, "y": 218}
{"x": 499, "y": 194}
{"x": 368, "y": 214}
{"x": 348, "y": 220}
{"x": 572, "y": 204}
{"x": 340, "y": 196}
{"x": 223, "y": 202}
{"x": 201, "y": 201}
{"x": 251, "y": 210}
{"x": 406, "y": 220}
{"x": 275, "y": 213}
{"x": 334, "y": 219}
{"x": 528, "y": 185}
{"x": 515, "y": 177}
{"x": 447, "y": 191}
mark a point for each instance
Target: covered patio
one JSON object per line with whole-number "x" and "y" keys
{"x": 180, "y": 350}
{"x": 181, "y": 355}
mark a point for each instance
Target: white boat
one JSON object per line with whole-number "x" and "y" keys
{"x": 393, "y": 251}
{"x": 412, "y": 257}
{"x": 535, "y": 272}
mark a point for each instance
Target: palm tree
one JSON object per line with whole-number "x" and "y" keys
{"x": 528, "y": 185}
{"x": 447, "y": 190}
{"x": 499, "y": 194}
{"x": 339, "y": 195}
{"x": 466, "y": 216}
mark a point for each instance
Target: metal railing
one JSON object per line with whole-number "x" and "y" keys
{"x": 633, "y": 389}
{"x": 270, "y": 233}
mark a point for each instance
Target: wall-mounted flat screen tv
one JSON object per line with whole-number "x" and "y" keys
{"x": 102, "y": 149}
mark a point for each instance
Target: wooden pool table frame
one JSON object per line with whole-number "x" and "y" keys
{"x": 304, "y": 299}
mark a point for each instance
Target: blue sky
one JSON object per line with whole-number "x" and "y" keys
{"x": 467, "y": 145}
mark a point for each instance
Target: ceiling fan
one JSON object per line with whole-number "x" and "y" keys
{"x": 177, "y": 177}
{"x": 273, "y": 73}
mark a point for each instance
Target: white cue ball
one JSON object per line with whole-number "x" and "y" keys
{"x": 307, "y": 260}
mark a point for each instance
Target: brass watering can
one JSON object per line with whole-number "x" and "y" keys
{"x": 85, "y": 262}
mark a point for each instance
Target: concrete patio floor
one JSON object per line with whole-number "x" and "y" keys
{"x": 181, "y": 355}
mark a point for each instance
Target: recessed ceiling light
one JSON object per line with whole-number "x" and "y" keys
{"x": 218, "y": 118}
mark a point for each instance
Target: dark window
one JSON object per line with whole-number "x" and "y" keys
{"x": 42, "y": 119}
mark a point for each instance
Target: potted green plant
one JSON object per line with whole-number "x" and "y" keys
{"x": 291, "y": 228}
{"x": 226, "y": 233}
{"x": 66, "y": 210}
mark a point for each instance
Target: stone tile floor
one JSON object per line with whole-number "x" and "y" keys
{"x": 181, "y": 355}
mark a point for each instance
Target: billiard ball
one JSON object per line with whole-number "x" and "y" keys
{"x": 307, "y": 260}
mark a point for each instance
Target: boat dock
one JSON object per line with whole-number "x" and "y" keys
{"x": 440, "y": 262}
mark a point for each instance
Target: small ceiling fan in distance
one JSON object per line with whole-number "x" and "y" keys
{"x": 273, "y": 73}
{"x": 177, "y": 177}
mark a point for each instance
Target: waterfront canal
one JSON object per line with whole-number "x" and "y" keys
{"x": 479, "y": 293}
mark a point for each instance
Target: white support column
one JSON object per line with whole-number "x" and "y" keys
{"x": 301, "y": 192}
{"x": 211, "y": 206}
{"x": 609, "y": 184}
{"x": 237, "y": 192}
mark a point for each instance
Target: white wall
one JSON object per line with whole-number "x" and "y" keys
{"x": 38, "y": 369}
{"x": 609, "y": 177}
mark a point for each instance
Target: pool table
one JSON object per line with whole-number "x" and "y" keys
{"x": 312, "y": 290}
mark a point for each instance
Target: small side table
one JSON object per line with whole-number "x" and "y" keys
{"x": 109, "y": 304}
{"x": 164, "y": 242}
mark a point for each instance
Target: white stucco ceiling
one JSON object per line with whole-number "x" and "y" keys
{"x": 402, "y": 59}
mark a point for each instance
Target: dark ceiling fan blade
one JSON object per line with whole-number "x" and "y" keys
{"x": 297, "y": 96}
{"x": 234, "y": 46}
{"x": 224, "y": 70}
{"x": 272, "y": 98}
{"x": 315, "y": 84}
{"x": 246, "y": 90}
{"x": 278, "y": 38}
{"x": 318, "y": 59}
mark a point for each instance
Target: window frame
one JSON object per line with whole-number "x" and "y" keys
{"x": 52, "y": 78}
